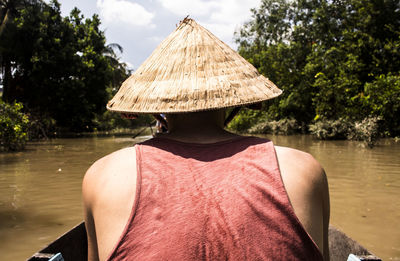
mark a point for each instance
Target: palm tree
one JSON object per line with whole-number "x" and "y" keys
{"x": 120, "y": 71}
{"x": 110, "y": 49}
{"x": 8, "y": 10}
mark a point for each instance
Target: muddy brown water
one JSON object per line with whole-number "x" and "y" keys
{"x": 40, "y": 190}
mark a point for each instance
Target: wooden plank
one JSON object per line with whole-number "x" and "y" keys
{"x": 72, "y": 245}
{"x": 341, "y": 246}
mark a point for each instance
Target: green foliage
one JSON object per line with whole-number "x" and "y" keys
{"x": 41, "y": 126}
{"x": 382, "y": 98}
{"x": 245, "y": 119}
{"x": 13, "y": 127}
{"x": 366, "y": 130}
{"x": 331, "y": 129}
{"x": 335, "y": 60}
{"x": 59, "y": 66}
{"x": 110, "y": 120}
{"x": 282, "y": 126}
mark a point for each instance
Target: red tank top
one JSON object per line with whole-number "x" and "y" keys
{"x": 220, "y": 201}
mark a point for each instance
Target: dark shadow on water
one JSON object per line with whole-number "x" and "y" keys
{"x": 16, "y": 219}
{"x": 10, "y": 218}
{"x": 8, "y": 159}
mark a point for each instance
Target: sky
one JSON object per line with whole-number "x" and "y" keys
{"x": 140, "y": 25}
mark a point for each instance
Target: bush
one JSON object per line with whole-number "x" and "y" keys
{"x": 330, "y": 129}
{"x": 41, "y": 126}
{"x": 108, "y": 121}
{"x": 13, "y": 127}
{"x": 366, "y": 130}
{"x": 283, "y": 126}
{"x": 113, "y": 120}
{"x": 245, "y": 119}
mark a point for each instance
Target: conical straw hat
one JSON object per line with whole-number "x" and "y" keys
{"x": 192, "y": 70}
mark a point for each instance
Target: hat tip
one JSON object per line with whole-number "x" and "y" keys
{"x": 185, "y": 20}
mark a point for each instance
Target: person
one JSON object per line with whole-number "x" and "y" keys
{"x": 161, "y": 124}
{"x": 199, "y": 192}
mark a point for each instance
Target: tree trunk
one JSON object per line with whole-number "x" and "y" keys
{"x": 7, "y": 80}
{"x": 4, "y": 22}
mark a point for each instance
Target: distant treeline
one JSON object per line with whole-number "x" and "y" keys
{"x": 59, "y": 70}
{"x": 338, "y": 63}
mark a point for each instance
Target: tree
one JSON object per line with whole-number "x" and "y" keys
{"x": 8, "y": 11}
{"x": 58, "y": 67}
{"x": 327, "y": 56}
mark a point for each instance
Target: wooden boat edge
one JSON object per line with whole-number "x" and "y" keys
{"x": 73, "y": 246}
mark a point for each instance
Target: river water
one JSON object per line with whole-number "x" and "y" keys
{"x": 40, "y": 190}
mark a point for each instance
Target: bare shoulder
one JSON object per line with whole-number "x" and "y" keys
{"x": 111, "y": 170}
{"x": 307, "y": 187}
{"x": 296, "y": 163}
{"x": 108, "y": 192}
{"x": 107, "y": 164}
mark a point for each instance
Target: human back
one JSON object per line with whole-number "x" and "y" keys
{"x": 216, "y": 201}
{"x": 112, "y": 188}
{"x": 306, "y": 195}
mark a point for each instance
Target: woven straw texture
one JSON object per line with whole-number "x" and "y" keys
{"x": 192, "y": 70}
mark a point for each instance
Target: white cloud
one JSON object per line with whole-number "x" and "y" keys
{"x": 233, "y": 11}
{"x": 192, "y": 8}
{"x": 122, "y": 11}
{"x": 221, "y": 17}
{"x": 221, "y": 30}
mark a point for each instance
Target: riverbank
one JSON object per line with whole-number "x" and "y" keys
{"x": 18, "y": 126}
{"x": 369, "y": 130}
{"x": 118, "y": 132}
